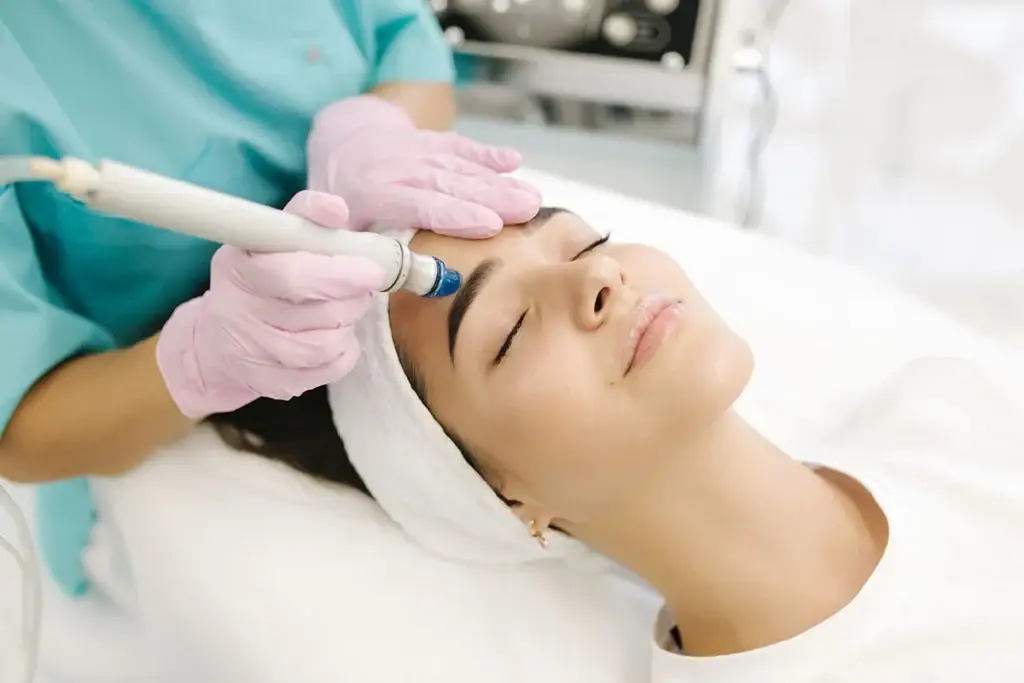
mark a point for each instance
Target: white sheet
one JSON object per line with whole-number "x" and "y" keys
{"x": 246, "y": 573}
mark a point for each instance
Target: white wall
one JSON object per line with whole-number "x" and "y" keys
{"x": 900, "y": 144}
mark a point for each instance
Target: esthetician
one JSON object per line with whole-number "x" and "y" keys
{"x": 117, "y": 336}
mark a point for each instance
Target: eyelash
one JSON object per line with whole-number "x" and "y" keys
{"x": 519, "y": 323}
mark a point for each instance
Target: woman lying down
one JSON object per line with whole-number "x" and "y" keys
{"x": 576, "y": 397}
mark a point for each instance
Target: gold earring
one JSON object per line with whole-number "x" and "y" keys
{"x": 538, "y": 534}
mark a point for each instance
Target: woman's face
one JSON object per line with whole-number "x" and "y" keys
{"x": 573, "y": 370}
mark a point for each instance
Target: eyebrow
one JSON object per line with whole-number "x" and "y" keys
{"x": 545, "y": 214}
{"x": 469, "y": 292}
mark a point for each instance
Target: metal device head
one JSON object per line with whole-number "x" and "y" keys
{"x": 446, "y": 283}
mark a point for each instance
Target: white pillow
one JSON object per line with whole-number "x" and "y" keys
{"x": 256, "y": 574}
{"x": 247, "y": 572}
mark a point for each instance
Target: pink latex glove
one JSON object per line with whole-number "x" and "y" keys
{"x": 369, "y": 152}
{"x": 273, "y": 325}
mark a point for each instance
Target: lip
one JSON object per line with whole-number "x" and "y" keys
{"x": 652, "y": 323}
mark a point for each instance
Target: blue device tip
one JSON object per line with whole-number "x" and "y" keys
{"x": 447, "y": 283}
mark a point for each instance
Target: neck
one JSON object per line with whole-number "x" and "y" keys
{"x": 748, "y": 546}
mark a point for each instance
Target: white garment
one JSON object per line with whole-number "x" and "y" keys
{"x": 942, "y": 451}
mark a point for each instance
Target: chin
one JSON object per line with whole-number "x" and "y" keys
{"x": 703, "y": 381}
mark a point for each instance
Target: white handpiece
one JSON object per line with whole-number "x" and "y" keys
{"x": 185, "y": 208}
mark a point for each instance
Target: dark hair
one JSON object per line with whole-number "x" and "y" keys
{"x": 301, "y": 434}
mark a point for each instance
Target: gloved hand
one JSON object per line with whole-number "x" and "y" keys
{"x": 271, "y": 325}
{"x": 370, "y": 153}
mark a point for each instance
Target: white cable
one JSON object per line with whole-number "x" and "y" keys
{"x": 31, "y": 595}
{"x": 13, "y": 551}
{"x": 764, "y": 124}
{"x": 14, "y": 169}
{"x": 28, "y": 169}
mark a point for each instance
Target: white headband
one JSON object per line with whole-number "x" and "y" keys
{"x": 415, "y": 472}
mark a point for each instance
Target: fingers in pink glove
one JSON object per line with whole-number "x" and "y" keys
{"x": 498, "y": 159}
{"x": 309, "y": 316}
{"x": 513, "y": 200}
{"x": 299, "y": 277}
{"x": 456, "y": 164}
{"x": 327, "y": 210}
{"x": 288, "y": 383}
{"x": 303, "y": 350}
{"x": 437, "y": 212}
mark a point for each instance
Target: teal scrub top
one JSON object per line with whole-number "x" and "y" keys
{"x": 216, "y": 92}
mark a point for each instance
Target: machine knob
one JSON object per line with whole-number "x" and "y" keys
{"x": 619, "y": 29}
{"x": 454, "y": 35}
{"x": 662, "y": 7}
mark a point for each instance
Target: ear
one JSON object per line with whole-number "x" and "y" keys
{"x": 526, "y": 507}
{"x": 529, "y": 512}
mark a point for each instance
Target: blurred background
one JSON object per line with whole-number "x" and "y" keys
{"x": 885, "y": 134}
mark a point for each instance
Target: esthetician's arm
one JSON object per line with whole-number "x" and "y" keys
{"x": 431, "y": 106}
{"x": 69, "y": 405}
{"x": 415, "y": 67}
{"x": 99, "y": 415}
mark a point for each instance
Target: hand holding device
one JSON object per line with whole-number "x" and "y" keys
{"x": 271, "y": 325}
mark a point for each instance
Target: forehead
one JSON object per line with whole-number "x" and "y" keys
{"x": 466, "y": 254}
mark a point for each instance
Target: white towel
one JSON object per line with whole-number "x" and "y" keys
{"x": 415, "y": 472}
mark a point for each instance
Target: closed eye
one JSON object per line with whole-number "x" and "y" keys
{"x": 508, "y": 340}
{"x": 503, "y": 351}
{"x": 592, "y": 247}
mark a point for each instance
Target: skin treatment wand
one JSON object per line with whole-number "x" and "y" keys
{"x": 181, "y": 207}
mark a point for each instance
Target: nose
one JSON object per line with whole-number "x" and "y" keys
{"x": 599, "y": 282}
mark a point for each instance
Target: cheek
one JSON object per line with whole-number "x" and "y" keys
{"x": 709, "y": 365}
{"x": 564, "y": 433}
{"x": 649, "y": 269}
{"x": 697, "y": 377}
